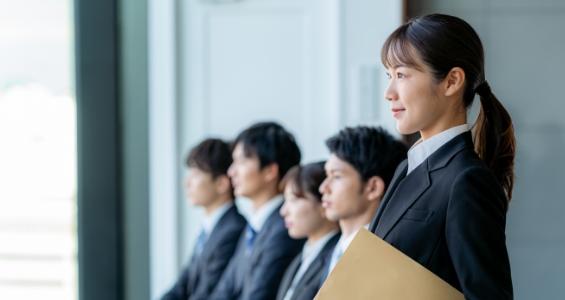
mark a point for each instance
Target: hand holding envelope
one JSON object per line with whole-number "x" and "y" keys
{"x": 370, "y": 268}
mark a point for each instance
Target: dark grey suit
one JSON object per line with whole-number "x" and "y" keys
{"x": 308, "y": 285}
{"x": 449, "y": 215}
{"x": 203, "y": 272}
{"x": 257, "y": 275}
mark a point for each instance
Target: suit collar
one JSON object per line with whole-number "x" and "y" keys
{"x": 289, "y": 275}
{"x": 409, "y": 188}
{"x": 421, "y": 150}
{"x": 264, "y": 234}
{"x": 407, "y": 192}
{"x": 220, "y": 227}
{"x": 210, "y": 221}
{"x": 260, "y": 216}
{"x": 317, "y": 266}
{"x": 443, "y": 155}
{"x": 399, "y": 174}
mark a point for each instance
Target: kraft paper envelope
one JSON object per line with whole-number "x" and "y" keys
{"x": 370, "y": 268}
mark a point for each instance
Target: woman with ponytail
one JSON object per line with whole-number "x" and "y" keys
{"x": 446, "y": 205}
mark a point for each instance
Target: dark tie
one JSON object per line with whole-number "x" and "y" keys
{"x": 200, "y": 244}
{"x": 249, "y": 238}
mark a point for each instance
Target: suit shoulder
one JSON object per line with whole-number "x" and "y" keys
{"x": 464, "y": 160}
{"x": 235, "y": 219}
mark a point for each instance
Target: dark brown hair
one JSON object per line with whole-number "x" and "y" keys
{"x": 212, "y": 156}
{"x": 442, "y": 43}
{"x": 270, "y": 143}
{"x": 305, "y": 180}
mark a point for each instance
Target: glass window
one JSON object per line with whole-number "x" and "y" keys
{"x": 37, "y": 151}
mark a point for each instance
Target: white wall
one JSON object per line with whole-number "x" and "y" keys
{"x": 524, "y": 45}
{"x": 313, "y": 66}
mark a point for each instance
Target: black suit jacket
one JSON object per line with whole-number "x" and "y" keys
{"x": 201, "y": 275}
{"x": 308, "y": 285}
{"x": 449, "y": 215}
{"x": 258, "y": 275}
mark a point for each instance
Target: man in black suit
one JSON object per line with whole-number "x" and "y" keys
{"x": 360, "y": 167}
{"x": 262, "y": 156}
{"x": 208, "y": 185}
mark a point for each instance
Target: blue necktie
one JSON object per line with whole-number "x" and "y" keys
{"x": 249, "y": 238}
{"x": 200, "y": 244}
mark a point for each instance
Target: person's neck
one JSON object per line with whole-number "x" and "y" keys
{"x": 208, "y": 209}
{"x": 322, "y": 232}
{"x": 351, "y": 225}
{"x": 441, "y": 126}
{"x": 263, "y": 197}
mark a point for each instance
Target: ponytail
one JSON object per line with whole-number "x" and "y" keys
{"x": 442, "y": 43}
{"x": 494, "y": 139}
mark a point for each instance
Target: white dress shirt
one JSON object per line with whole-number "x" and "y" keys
{"x": 341, "y": 246}
{"x": 423, "y": 149}
{"x": 259, "y": 217}
{"x": 309, "y": 253}
{"x": 210, "y": 221}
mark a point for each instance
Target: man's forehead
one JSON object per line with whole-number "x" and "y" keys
{"x": 335, "y": 163}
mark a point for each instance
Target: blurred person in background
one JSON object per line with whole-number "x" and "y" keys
{"x": 207, "y": 185}
{"x": 262, "y": 156}
{"x": 359, "y": 170}
{"x": 305, "y": 217}
{"x": 446, "y": 207}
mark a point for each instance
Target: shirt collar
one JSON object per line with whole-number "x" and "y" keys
{"x": 259, "y": 217}
{"x": 210, "y": 221}
{"x": 423, "y": 149}
{"x": 344, "y": 241}
{"x": 310, "y": 251}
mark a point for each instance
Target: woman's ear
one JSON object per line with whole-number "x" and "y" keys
{"x": 454, "y": 82}
{"x": 375, "y": 188}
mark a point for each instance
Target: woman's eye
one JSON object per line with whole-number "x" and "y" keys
{"x": 388, "y": 76}
{"x": 400, "y": 75}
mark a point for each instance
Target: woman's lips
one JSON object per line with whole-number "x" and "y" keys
{"x": 326, "y": 204}
{"x": 287, "y": 224}
{"x": 396, "y": 112}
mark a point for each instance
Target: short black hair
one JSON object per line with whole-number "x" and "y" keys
{"x": 306, "y": 180}
{"x": 371, "y": 151}
{"x": 270, "y": 143}
{"x": 212, "y": 156}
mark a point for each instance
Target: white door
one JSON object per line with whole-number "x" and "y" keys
{"x": 250, "y": 61}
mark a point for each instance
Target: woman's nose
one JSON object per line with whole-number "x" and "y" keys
{"x": 390, "y": 92}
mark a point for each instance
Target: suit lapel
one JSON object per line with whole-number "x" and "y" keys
{"x": 317, "y": 265}
{"x": 211, "y": 243}
{"x": 408, "y": 191}
{"x": 260, "y": 239}
{"x": 218, "y": 231}
{"x": 262, "y": 236}
{"x": 416, "y": 183}
{"x": 289, "y": 276}
{"x": 396, "y": 179}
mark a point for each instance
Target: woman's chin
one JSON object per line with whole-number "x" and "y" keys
{"x": 404, "y": 130}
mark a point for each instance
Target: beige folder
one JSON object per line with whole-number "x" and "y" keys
{"x": 370, "y": 268}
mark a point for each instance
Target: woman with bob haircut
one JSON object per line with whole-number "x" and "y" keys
{"x": 304, "y": 217}
{"x": 446, "y": 205}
